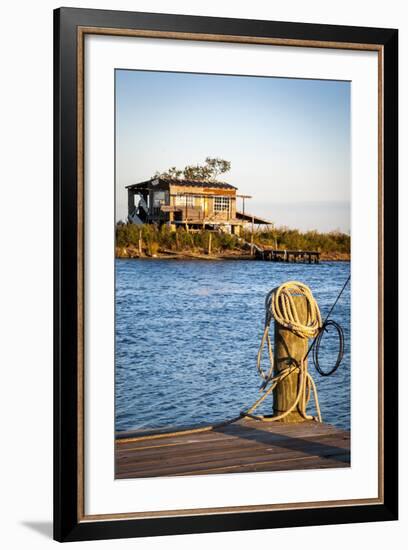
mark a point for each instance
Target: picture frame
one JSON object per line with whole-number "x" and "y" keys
{"x": 71, "y": 26}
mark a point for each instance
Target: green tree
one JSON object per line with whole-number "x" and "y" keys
{"x": 172, "y": 173}
{"x": 217, "y": 166}
{"x": 197, "y": 172}
{"x": 209, "y": 171}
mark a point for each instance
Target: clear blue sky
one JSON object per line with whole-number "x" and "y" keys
{"x": 288, "y": 140}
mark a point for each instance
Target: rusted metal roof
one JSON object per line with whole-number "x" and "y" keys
{"x": 152, "y": 183}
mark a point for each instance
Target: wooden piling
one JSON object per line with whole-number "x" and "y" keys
{"x": 252, "y": 237}
{"x": 289, "y": 350}
{"x": 140, "y": 243}
{"x": 288, "y": 256}
{"x": 209, "y": 243}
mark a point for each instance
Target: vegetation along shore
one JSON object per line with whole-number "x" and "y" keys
{"x": 151, "y": 241}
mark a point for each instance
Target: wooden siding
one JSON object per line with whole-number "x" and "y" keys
{"x": 203, "y": 202}
{"x": 196, "y": 190}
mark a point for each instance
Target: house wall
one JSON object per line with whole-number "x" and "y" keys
{"x": 154, "y": 209}
{"x": 202, "y": 207}
{"x": 201, "y": 190}
{"x": 131, "y": 201}
{"x": 234, "y": 208}
{"x": 206, "y": 203}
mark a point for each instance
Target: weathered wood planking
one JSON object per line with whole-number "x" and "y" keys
{"x": 245, "y": 446}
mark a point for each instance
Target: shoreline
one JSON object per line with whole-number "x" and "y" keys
{"x": 127, "y": 253}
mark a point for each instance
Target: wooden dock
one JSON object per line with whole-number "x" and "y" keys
{"x": 289, "y": 256}
{"x": 244, "y": 446}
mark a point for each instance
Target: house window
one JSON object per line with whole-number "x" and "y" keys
{"x": 184, "y": 200}
{"x": 221, "y": 204}
{"x": 159, "y": 198}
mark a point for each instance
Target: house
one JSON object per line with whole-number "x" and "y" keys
{"x": 190, "y": 203}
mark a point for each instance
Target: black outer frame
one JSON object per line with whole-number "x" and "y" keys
{"x": 66, "y": 524}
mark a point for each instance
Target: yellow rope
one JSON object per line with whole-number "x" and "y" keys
{"x": 279, "y": 305}
{"x": 131, "y": 439}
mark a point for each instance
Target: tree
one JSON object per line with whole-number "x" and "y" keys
{"x": 209, "y": 171}
{"x": 172, "y": 173}
{"x": 197, "y": 172}
{"x": 217, "y": 166}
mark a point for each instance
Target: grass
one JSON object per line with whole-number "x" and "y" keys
{"x": 155, "y": 239}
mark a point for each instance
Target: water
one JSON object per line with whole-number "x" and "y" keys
{"x": 187, "y": 336}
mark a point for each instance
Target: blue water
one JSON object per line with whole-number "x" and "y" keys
{"x": 187, "y": 336}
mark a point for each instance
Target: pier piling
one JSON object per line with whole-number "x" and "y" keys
{"x": 290, "y": 349}
{"x": 288, "y": 256}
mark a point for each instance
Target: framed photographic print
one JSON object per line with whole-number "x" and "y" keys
{"x": 225, "y": 274}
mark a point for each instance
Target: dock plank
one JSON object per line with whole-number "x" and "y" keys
{"x": 195, "y": 453}
{"x": 245, "y": 446}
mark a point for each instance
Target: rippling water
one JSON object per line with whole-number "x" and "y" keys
{"x": 187, "y": 336}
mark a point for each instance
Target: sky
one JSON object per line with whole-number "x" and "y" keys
{"x": 288, "y": 140}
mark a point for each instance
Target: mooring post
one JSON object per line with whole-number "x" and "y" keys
{"x": 290, "y": 349}
{"x": 209, "y": 243}
{"x": 252, "y": 237}
{"x": 140, "y": 243}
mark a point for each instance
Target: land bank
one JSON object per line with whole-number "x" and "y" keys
{"x": 151, "y": 241}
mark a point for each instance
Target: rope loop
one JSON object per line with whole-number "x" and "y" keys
{"x": 316, "y": 349}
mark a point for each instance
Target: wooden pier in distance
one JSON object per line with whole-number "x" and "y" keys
{"x": 290, "y": 256}
{"x": 245, "y": 446}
